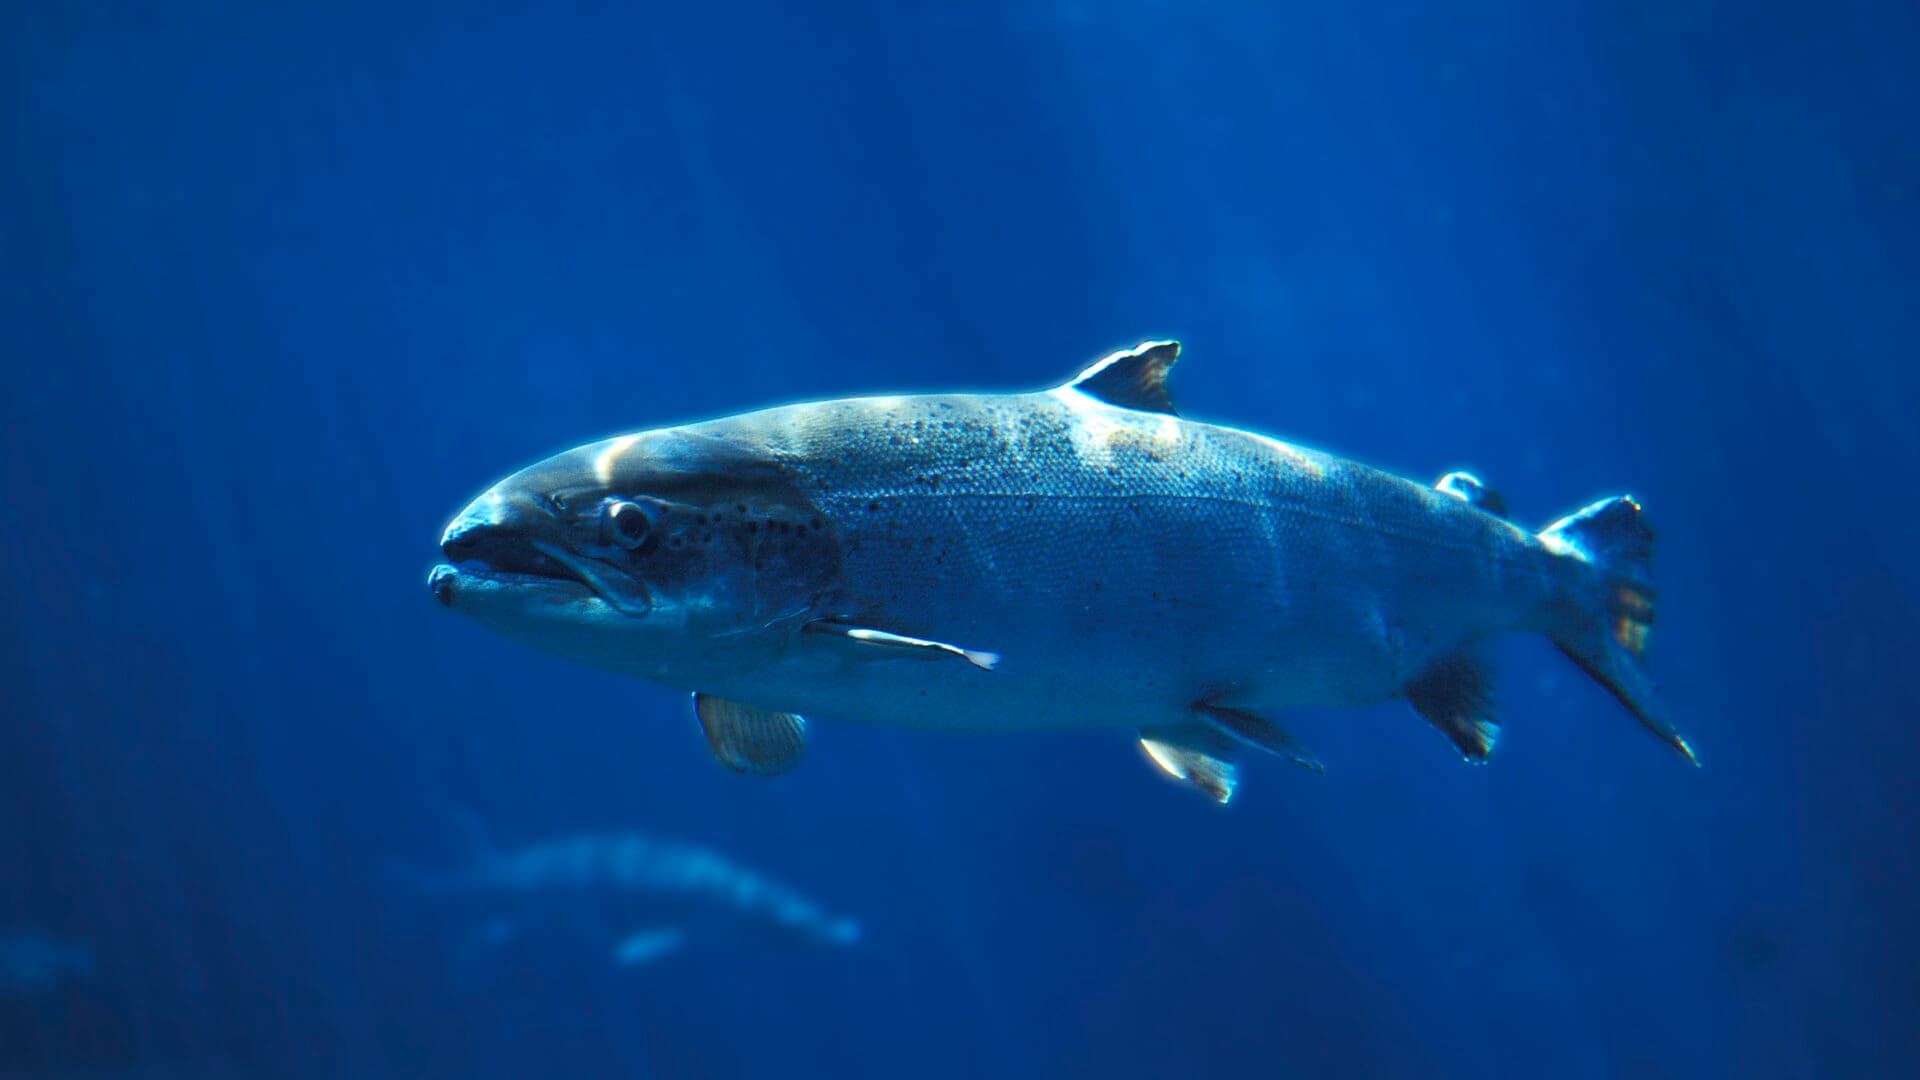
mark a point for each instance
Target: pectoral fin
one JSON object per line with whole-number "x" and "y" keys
{"x": 749, "y": 739}
{"x": 1197, "y": 753}
{"x": 868, "y": 644}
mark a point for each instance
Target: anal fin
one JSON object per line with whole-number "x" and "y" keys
{"x": 1197, "y": 754}
{"x": 748, "y": 739}
{"x": 1261, "y": 734}
{"x": 1455, "y": 694}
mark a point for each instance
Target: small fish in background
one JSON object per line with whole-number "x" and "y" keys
{"x": 662, "y": 885}
{"x": 1081, "y": 556}
{"x": 646, "y": 946}
{"x": 35, "y": 962}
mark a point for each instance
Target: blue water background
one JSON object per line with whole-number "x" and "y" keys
{"x": 282, "y": 288}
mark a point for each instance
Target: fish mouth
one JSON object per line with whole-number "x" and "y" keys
{"x": 509, "y": 542}
{"x": 446, "y": 580}
{"x": 533, "y": 565}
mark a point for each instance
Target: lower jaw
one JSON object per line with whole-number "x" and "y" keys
{"x": 469, "y": 571}
{"x": 450, "y": 581}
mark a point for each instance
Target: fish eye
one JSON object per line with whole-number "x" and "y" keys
{"x": 558, "y": 502}
{"x": 630, "y": 524}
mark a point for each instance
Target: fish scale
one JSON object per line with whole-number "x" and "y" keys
{"x": 1136, "y": 538}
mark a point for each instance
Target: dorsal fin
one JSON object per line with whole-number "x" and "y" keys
{"x": 1133, "y": 378}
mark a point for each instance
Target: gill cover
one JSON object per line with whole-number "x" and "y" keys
{"x": 718, "y": 536}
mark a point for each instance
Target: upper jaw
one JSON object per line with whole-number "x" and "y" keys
{"x": 494, "y": 542}
{"x": 523, "y": 550}
{"x": 603, "y": 580}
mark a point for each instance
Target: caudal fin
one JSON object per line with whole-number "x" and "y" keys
{"x": 1604, "y": 628}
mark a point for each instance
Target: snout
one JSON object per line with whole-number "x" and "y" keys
{"x": 503, "y": 547}
{"x": 467, "y": 535}
{"x": 494, "y": 539}
{"x": 499, "y": 531}
{"x": 515, "y": 540}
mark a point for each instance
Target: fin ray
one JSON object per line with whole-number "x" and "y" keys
{"x": 870, "y": 644}
{"x": 1133, "y": 378}
{"x": 1605, "y": 630}
{"x": 747, "y": 739}
{"x": 1198, "y": 754}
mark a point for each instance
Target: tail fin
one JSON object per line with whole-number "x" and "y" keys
{"x": 1604, "y": 629}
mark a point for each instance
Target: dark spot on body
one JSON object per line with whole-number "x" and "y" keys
{"x": 873, "y": 507}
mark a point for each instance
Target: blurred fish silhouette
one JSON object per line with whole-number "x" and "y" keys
{"x": 663, "y": 884}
